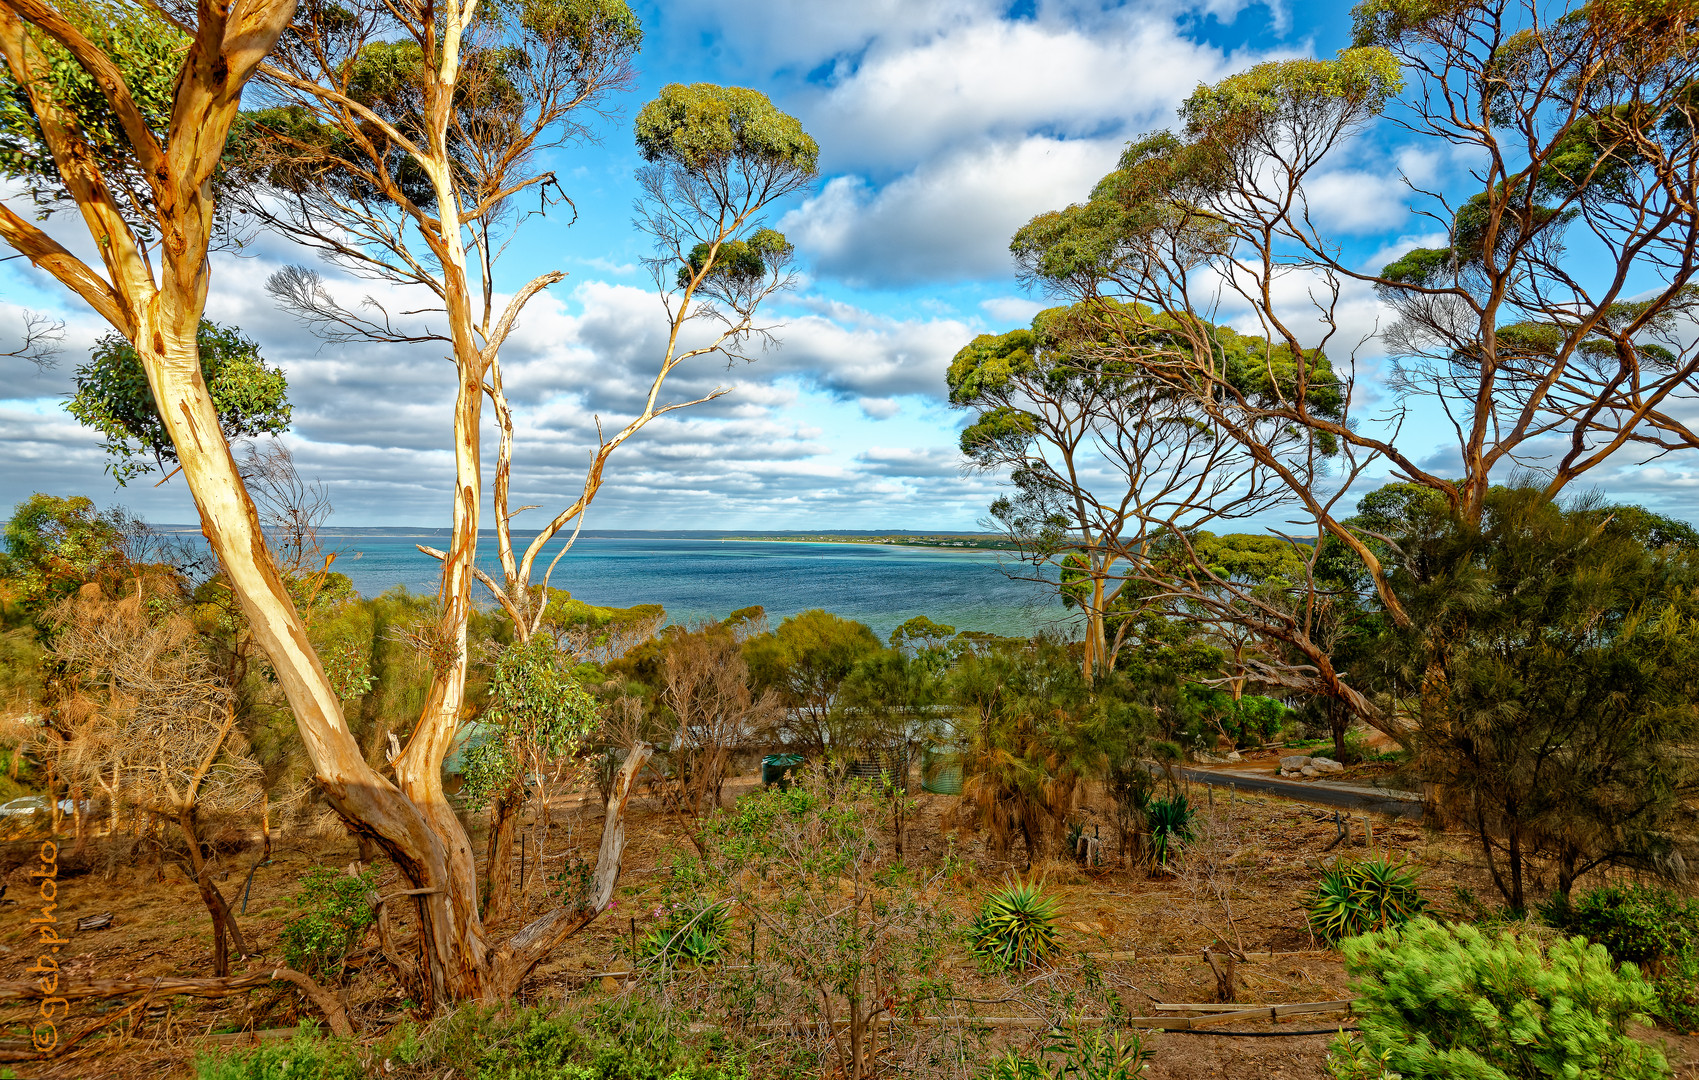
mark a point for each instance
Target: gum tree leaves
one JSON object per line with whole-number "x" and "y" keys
{"x": 113, "y": 398}
{"x": 704, "y": 128}
{"x": 147, "y": 51}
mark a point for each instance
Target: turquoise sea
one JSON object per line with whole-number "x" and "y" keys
{"x": 703, "y": 576}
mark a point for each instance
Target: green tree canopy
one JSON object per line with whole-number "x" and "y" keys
{"x": 54, "y": 545}
{"x": 147, "y": 51}
{"x": 113, "y": 398}
{"x": 1553, "y": 667}
{"x": 705, "y": 128}
{"x": 806, "y": 659}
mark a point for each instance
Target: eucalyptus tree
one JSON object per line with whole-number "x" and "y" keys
{"x": 1556, "y": 319}
{"x": 1102, "y": 461}
{"x": 121, "y": 113}
{"x": 447, "y": 176}
{"x": 113, "y": 398}
{"x": 807, "y": 660}
{"x": 410, "y": 170}
{"x": 716, "y": 159}
{"x": 137, "y": 140}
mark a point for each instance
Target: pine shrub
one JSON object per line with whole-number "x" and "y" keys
{"x": 1440, "y": 1002}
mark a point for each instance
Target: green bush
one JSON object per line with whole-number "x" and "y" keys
{"x": 1357, "y": 897}
{"x": 340, "y": 910}
{"x": 618, "y": 1040}
{"x": 1648, "y": 926}
{"x": 1081, "y": 1055}
{"x": 1015, "y": 928}
{"x": 1652, "y": 927}
{"x": 1678, "y": 994}
{"x": 688, "y": 934}
{"x": 1169, "y": 822}
{"x": 1439, "y": 1002}
{"x": 304, "y": 1057}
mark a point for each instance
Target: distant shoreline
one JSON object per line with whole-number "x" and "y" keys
{"x": 945, "y": 540}
{"x": 930, "y": 541}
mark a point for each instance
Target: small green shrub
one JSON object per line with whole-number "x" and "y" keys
{"x": 1083, "y": 1055}
{"x": 1170, "y": 823}
{"x": 613, "y": 1041}
{"x": 688, "y": 934}
{"x": 340, "y": 910}
{"x": 1099, "y": 1054}
{"x": 1678, "y": 994}
{"x": 1015, "y": 928}
{"x": 304, "y": 1057}
{"x": 1648, "y": 926}
{"x": 1441, "y": 1002}
{"x": 1357, "y": 897}
{"x": 1652, "y": 927}
{"x": 1014, "y": 1065}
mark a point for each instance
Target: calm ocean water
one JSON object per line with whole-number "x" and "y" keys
{"x": 695, "y": 578}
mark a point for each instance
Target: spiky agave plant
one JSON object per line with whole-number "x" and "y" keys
{"x": 1170, "y": 823}
{"x": 1357, "y": 897}
{"x": 1015, "y": 928}
{"x": 690, "y": 934}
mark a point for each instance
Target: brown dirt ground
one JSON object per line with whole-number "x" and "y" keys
{"x": 160, "y": 928}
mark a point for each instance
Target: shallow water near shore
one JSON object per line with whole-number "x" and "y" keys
{"x": 705, "y": 577}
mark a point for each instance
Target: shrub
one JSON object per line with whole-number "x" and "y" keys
{"x": 847, "y": 933}
{"x": 1357, "y": 897}
{"x": 1648, "y": 926}
{"x": 1014, "y": 1065}
{"x": 1015, "y": 928}
{"x": 339, "y": 912}
{"x": 1093, "y": 1055}
{"x": 1440, "y": 1002}
{"x": 304, "y": 1057}
{"x": 1652, "y": 927}
{"x": 689, "y": 933}
{"x": 611, "y": 1040}
{"x": 1169, "y": 822}
{"x": 1678, "y": 994}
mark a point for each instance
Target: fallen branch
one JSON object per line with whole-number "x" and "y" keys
{"x": 1266, "y": 1012}
{"x": 1170, "y": 1023}
{"x": 326, "y": 1001}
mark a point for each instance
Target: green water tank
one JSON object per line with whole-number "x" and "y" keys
{"x": 941, "y": 771}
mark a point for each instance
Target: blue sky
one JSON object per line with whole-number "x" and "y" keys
{"x": 943, "y": 124}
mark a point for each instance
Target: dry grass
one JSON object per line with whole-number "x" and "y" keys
{"x": 1153, "y": 927}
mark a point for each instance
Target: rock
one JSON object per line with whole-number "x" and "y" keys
{"x": 1296, "y": 761}
{"x": 1309, "y": 770}
{"x": 1327, "y": 766}
{"x": 1235, "y": 756}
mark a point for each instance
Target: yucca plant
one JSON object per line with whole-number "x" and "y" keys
{"x": 1169, "y": 822}
{"x": 1015, "y": 928}
{"x": 1357, "y": 897}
